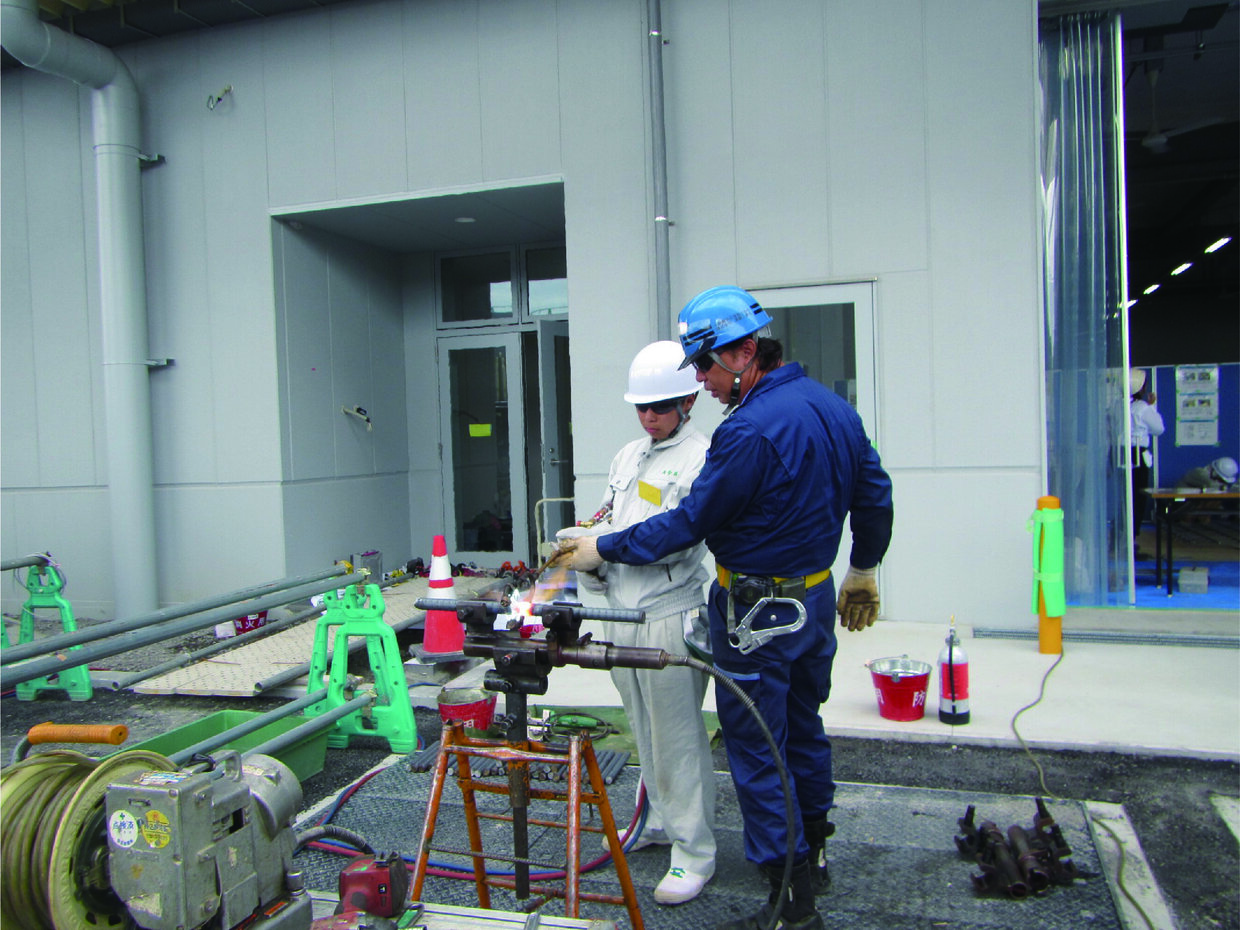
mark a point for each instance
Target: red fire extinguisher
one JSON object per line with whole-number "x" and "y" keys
{"x": 953, "y": 680}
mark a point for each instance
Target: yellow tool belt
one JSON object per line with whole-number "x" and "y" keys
{"x": 780, "y": 587}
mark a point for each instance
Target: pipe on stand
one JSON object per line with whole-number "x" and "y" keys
{"x": 279, "y": 743}
{"x": 28, "y": 561}
{"x": 12, "y": 675}
{"x": 51, "y": 644}
{"x": 243, "y": 729}
{"x": 121, "y": 684}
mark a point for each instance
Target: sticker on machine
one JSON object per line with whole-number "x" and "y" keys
{"x": 156, "y": 830}
{"x": 123, "y": 829}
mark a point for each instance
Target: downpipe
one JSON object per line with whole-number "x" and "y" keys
{"x": 115, "y": 112}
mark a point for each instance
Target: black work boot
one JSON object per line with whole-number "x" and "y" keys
{"x": 798, "y": 911}
{"x": 816, "y": 833}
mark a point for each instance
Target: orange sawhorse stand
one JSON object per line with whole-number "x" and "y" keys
{"x": 517, "y": 758}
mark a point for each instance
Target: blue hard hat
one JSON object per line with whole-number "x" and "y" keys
{"x": 716, "y": 317}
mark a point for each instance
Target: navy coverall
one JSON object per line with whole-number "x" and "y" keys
{"x": 782, "y": 472}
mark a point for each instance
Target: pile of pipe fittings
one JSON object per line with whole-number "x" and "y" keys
{"x": 1024, "y": 861}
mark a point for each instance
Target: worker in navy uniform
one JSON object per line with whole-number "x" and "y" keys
{"x": 788, "y": 464}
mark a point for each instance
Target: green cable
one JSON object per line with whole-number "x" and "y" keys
{"x": 1119, "y": 846}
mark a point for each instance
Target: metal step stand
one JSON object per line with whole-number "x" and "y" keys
{"x": 518, "y": 755}
{"x": 360, "y": 613}
{"x": 45, "y": 584}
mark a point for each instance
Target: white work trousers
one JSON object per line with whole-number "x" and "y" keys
{"x": 664, "y": 710}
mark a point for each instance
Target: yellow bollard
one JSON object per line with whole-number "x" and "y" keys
{"x": 1048, "y": 587}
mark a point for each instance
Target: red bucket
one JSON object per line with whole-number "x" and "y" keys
{"x": 474, "y": 707}
{"x": 900, "y": 684}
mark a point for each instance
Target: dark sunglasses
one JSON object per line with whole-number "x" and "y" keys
{"x": 659, "y": 407}
{"x": 704, "y": 362}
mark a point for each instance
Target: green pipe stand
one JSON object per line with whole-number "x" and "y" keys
{"x": 353, "y": 613}
{"x": 44, "y": 584}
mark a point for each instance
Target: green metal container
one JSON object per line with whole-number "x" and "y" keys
{"x": 305, "y": 757}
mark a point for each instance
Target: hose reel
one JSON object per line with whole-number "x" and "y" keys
{"x": 133, "y": 841}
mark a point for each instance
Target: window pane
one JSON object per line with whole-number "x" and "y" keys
{"x": 476, "y": 287}
{"x": 823, "y": 339}
{"x": 547, "y": 273}
{"x": 481, "y": 472}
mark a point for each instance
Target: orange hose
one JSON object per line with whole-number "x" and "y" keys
{"x": 111, "y": 733}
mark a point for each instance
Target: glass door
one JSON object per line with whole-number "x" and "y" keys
{"x": 483, "y": 441}
{"x": 555, "y": 505}
{"x": 829, "y": 329}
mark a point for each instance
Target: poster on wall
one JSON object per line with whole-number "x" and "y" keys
{"x": 1196, "y": 405}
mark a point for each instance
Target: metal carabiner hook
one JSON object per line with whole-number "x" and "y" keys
{"x": 746, "y": 639}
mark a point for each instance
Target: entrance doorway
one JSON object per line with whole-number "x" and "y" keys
{"x": 829, "y": 329}
{"x": 505, "y": 438}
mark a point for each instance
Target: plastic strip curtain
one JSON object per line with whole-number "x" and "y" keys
{"x": 1086, "y": 333}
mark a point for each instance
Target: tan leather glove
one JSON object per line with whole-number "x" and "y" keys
{"x": 857, "y": 604}
{"x": 580, "y": 553}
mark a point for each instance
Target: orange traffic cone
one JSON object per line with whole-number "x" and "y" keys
{"x": 443, "y": 632}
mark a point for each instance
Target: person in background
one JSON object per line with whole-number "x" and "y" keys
{"x": 787, "y": 466}
{"x": 663, "y": 706}
{"x": 1219, "y": 475}
{"x": 1147, "y": 422}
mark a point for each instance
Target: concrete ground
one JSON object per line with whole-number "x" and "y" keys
{"x": 1151, "y": 728}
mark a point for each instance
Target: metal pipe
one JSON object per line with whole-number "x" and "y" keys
{"x": 300, "y": 732}
{"x": 12, "y": 675}
{"x": 658, "y": 158}
{"x": 120, "y": 684}
{"x": 293, "y": 672}
{"x": 24, "y": 562}
{"x": 115, "y": 120}
{"x": 61, "y": 641}
{"x": 243, "y": 729}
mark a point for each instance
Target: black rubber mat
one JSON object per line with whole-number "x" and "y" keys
{"x": 894, "y": 860}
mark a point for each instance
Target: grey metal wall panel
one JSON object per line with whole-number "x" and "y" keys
{"x": 518, "y": 88}
{"x": 609, "y": 215}
{"x": 387, "y": 367}
{"x": 368, "y": 98}
{"x": 349, "y": 335}
{"x": 876, "y": 127}
{"x": 980, "y": 156}
{"x": 178, "y": 309}
{"x": 20, "y": 419}
{"x": 701, "y": 177}
{"x": 63, "y": 396}
{"x": 239, "y": 287}
{"x": 442, "y": 103}
{"x": 332, "y": 520}
{"x": 780, "y": 141}
{"x": 307, "y": 307}
{"x": 297, "y": 87}
{"x": 426, "y": 499}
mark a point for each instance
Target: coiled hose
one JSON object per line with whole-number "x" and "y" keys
{"x": 35, "y": 795}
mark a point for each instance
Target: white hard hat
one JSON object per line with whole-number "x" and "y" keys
{"x": 656, "y": 374}
{"x": 1226, "y": 468}
{"x": 1136, "y": 380}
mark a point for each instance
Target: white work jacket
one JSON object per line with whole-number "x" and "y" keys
{"x": 648, "y": 478}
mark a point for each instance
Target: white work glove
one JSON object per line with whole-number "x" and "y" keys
{"x": 857, "y": 604}
{"x": 580, "y": 553}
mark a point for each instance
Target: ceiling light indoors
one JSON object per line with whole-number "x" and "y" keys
{"x": 1183, "y": 268}
{"x": 1214, "y": 247}
{"x": 1151, "y": 289}
{"x": 464, "y": 219}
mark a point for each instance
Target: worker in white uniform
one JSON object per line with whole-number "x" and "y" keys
{"x": 663, "y": 706}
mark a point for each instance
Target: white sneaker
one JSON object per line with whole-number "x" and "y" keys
{"x": 680, "y": 885}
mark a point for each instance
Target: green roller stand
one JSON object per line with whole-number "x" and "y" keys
{"x": 391, "y": 715}
{"x": 45, "y": 583}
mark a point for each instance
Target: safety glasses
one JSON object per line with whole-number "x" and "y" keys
{"x": 660, "y": 407}
{"x": 704, "y": 362}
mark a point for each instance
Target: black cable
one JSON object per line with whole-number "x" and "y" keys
{"x": 789, "y": 810}
{"x": 340, "y": 833}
